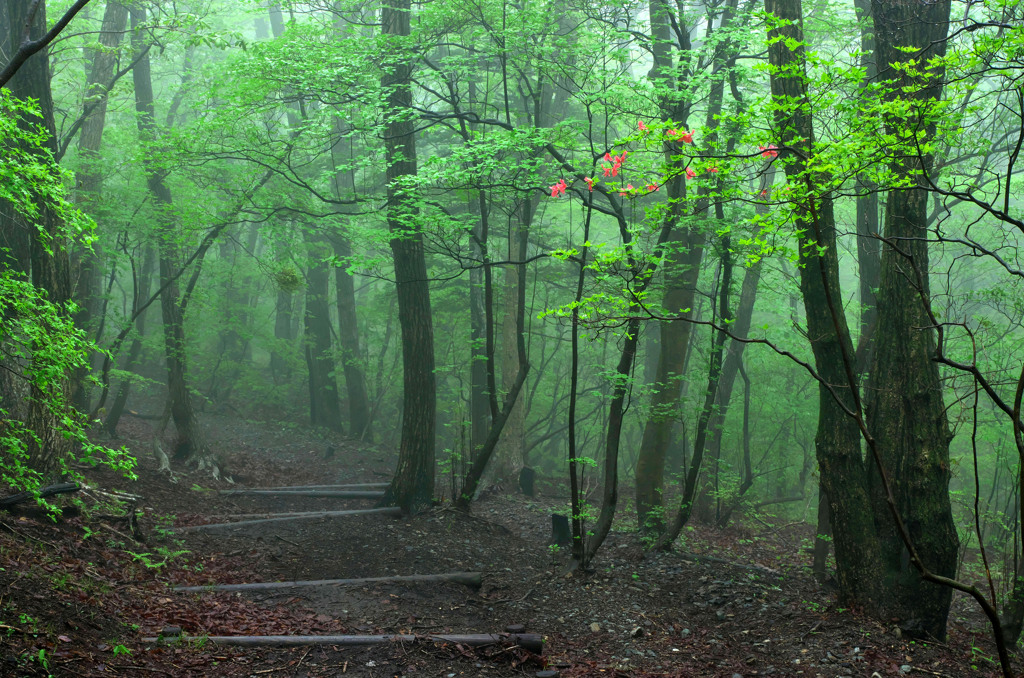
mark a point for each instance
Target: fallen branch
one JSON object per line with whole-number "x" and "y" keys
{"x": 48, "y": 491}
{"x": 337, "y": 494}
{"x": 285, "y": 517}
{"x": 528, "y": 641}
{"x": 471, "y": 579}
{"x": 721, "y": 561}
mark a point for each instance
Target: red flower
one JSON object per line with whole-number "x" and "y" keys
{"x": 690, "y": 174}
{"x": 559, "y": 188}
{"x": 642, "y": 126}
{"x": 769, "y": 151}
{"x": 590, "y": 183}
{"x": 685, "y": 137}
{"x": 653, "y": 187}
{"x": 712, "y": 169}
{"x": 629, "y": 187}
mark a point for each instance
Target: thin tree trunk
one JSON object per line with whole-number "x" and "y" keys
{"x": 682, "y": 515}
{"x": 142, "y": 291}
{"x": 509, "y": 455}
{"x": 479, "y": 331}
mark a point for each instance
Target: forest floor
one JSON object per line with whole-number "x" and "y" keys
{"x": 78, "y": 596}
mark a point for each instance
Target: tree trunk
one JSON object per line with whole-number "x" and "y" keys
{"x": 868, "y": 247}
{"x": 324, "y": 409}
{"x": 681, "y": 271}
{"x": 89, "y": 179}
{"x": 906, "y": 412}
{"x": 837, "y": 441}
{"x": 191, "y": 440}
{"x": 279, "y": 367}
{"x": 359, "y": 422}
{"x": 142, "y": 287}
{"x": 348, "y": 321}
{"x": 480, "y": 332}
{"x": 413, "y": 485}
{"x": 690, "y": 488}
{"x": 510, "y": 453}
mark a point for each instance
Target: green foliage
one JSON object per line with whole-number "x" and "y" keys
{"x": 41, "y": 346}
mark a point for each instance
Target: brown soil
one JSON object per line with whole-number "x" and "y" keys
{"x": 77, "y": 596}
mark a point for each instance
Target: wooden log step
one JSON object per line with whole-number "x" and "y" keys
{"x": 528, "y": 641}
{"x": 392, "y": 511}
{"x": 343, "y": 486}
{"x": 337, "y": 494}
{"x": 471, "y": 579}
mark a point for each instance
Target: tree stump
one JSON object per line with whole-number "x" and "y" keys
{"x": 560, "y": 534}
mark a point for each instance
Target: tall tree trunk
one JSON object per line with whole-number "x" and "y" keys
{"x": 510, "y": 454}
{"x": 690, "y": 488}
{"x": 682, "y": 267}
{"x": 906, "y": 413}
{"x": 359, "y": 421}
{"x": 412, "y": 488}
{"x": 837, "y": 441}
{"x": 191, "y": 440}
{"x": 480, "y": 329}
{"x": 89, "y": 180}
{"x": 868, "y": 247}
{"x": 283, "y": 334}
{"x": 324, "y": 409}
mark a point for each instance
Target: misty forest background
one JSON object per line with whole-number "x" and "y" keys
{"x": 733, "y": 256}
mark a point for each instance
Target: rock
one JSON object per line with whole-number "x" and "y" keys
{"x": 515, "y": 628}
{"x": 636, "y": 632}
{"x": 547, "y": 674}
{"x": 595, "y": 627}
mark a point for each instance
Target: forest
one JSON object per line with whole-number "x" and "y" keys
{"x": 626, "y": 280}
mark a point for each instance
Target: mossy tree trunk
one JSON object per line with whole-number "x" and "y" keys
{"x": 906, "y": 412}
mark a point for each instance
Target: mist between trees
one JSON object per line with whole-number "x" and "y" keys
{"x": 723, "y": 258}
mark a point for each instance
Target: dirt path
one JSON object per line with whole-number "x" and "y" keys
{"x": 741, "y": 604}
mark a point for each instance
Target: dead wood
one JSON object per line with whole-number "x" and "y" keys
{"x": 285, "y": 517}
{"x": 721, "y": 561}
{"x": 48, "y": 491}
{"x": 336, "y": 494}
{"x": 528, "y": 641}
{"x": 342, "y": 486}
{"x": 471, "y": 579}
